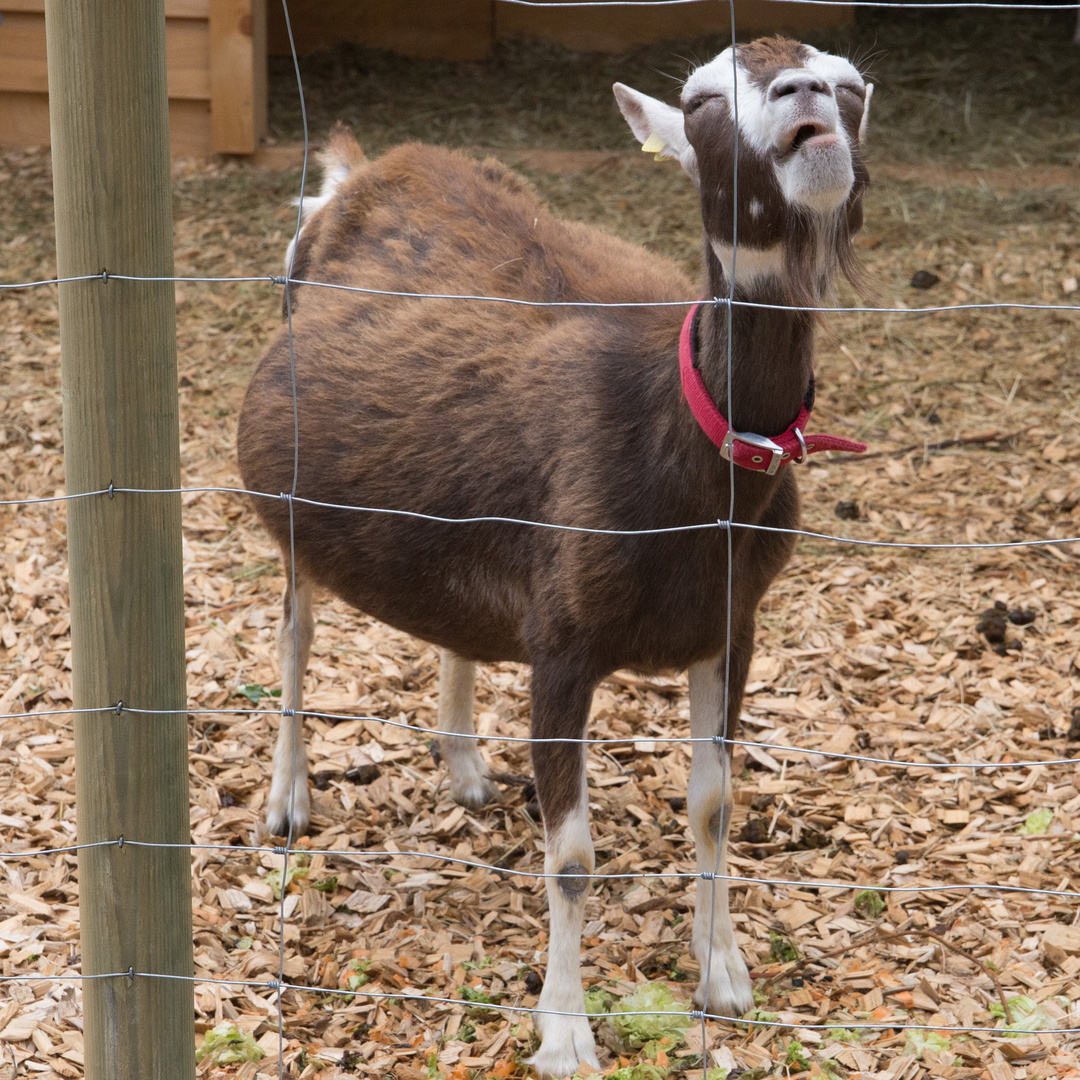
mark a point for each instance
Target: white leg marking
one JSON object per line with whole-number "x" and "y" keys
{"x": 566, "y": 1041}
{"x": 469, "y": 783}
{"x": 725, "y": 983}
{"x": 289, "y": 788}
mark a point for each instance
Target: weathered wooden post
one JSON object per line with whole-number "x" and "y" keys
{"x": 110, "y": 142}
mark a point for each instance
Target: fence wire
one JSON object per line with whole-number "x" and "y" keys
{"x": 720, "y": 523}
{"x": 386, "y": 860}
{"x": 628, "y": 740}
{"x": 279, "y": 986}
{"x": 288, "y": 280}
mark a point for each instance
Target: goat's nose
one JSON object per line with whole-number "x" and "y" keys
{"x": 795, "y": 82}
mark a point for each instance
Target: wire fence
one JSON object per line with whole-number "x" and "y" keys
{"x": 403, "y": 859}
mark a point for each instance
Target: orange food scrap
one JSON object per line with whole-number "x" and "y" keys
{"x": 503, "y": 1069}
{"x": 904, "y": 999}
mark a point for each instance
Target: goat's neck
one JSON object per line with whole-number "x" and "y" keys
{"x": 772, "y": 355}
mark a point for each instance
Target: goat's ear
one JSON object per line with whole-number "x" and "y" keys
{"x": 865, "y": 111}
{"x": 658, "y": 127}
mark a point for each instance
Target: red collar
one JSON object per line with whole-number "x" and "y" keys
{"x": 755, "y": 452}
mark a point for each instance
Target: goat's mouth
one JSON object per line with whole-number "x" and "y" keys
{"x": 817, "y": 135}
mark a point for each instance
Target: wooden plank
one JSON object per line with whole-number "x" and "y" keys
{"x": 237, "y": 74}
{"x": 174, "y": 9}
{"x": 458, "y": 30}
{"x": 24, "y": 119}
{"x": 22, "y": 53}
{"x": 593, "y": 30}
{"x": 185, "y": 9}
{"x": 189, "y": 129}
{"x": 26, "y": 75}
{"x": 187, "y": 43}
{"x": 112, "y": 190}
{"x": 23, "y": 60}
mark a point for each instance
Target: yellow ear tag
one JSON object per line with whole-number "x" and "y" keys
{"x": 653, "y": 145}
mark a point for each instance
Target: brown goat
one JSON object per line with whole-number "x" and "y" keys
{"x": 569, "y": 415}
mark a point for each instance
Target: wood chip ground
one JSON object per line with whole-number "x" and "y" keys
{"x": 862, "y": 651}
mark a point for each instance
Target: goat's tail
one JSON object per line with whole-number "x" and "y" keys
{"x": 338, "y": 158}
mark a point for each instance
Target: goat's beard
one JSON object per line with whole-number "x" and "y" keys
{"x": 816, "y": 247}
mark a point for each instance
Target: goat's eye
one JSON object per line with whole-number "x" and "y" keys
{"x": 857, "y": 91}
{"x": 693, "y": 106}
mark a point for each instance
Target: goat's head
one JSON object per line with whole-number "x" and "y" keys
{"x": 801, "y": 116}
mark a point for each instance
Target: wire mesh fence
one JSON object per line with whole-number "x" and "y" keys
{"x": 724, "y": 525}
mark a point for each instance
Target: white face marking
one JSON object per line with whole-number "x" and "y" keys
{"x": 757, "y": 208}
{"x": 817, "y": 173}
{"x": 751, "y": 264}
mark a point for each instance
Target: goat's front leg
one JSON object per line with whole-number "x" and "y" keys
{"x": 470, "y": 784}
{"x": 724, "y": 988}
{"x": 289, "y": 800}
{"x": 560, "y": 703}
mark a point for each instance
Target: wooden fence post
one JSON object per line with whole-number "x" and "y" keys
{"x": 110, "y": 139}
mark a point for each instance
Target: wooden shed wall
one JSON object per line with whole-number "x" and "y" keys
{"x": 467, "y": 29}
{"x": 217, "y": 49}
{"x": 216, "y": 53}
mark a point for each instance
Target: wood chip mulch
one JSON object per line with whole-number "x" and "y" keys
{"x": 865, "y": 651}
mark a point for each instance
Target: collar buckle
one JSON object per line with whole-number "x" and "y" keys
{"x": 758, "y": 442}
{"x": 804, "y": 453}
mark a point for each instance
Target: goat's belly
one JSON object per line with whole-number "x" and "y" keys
{"x": 417, "y": 576}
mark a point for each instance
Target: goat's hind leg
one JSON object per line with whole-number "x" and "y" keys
{"x": 289, "y": 800}
{"x": 470, "y": 784}
{"x": 561, "y": 710}
{"x": 725, "y": 983}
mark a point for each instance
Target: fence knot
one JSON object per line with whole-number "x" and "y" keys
{"x": 120, "y": 841}
{"x": 285, "y": 497}
{"x": 723, "y": 523}
{"x": 721, "y": 302}
{"x": 112, "y": 490}
{"x": 104, "y": 276}
{"x": 276, "y": 280}
{"x": 707, "y": 875}
{"x": 280, "y": 850}
{"x": 273, "y": 984}
{"x": 131, "y": 973}
{"x": 697, "y": 1014}
{"x": 119, "y": 708}
{"x": 288, "y": 712}
{"x": 719, "y": 740}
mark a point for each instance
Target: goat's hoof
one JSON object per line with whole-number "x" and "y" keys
{"x": 475, "y": 792}
{"x": 730, "y": 992}
{"x": 277, "y": 823}
{"x": 567, "y": 1042}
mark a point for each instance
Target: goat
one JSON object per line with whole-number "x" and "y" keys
{"x": 569, "y": 415}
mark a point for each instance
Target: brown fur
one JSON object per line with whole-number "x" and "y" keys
{"x": 566, "y": 415}
{"x": 765, "y": 58}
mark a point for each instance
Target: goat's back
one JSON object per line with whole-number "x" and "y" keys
{"x": 425, "y": 219}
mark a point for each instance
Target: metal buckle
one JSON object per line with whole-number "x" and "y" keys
{"x": 802, "y": 442}
{"x": 759, "y": 442}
